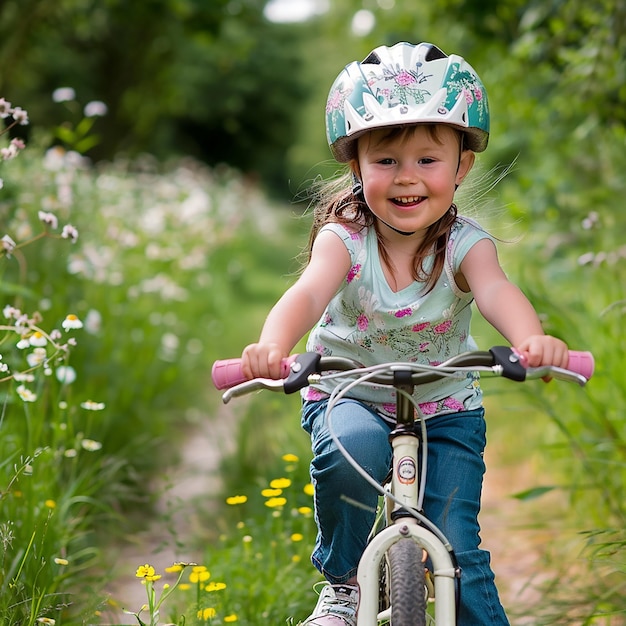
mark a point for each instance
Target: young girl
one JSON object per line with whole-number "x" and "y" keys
{"x": 391, "y": 275}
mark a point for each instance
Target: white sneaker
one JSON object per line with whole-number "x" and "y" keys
{"x": 336, "y": 606}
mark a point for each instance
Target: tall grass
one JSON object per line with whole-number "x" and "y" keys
{"x": 106, "y": 349}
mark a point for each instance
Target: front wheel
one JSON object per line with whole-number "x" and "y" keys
{"x": 407, "y": 584}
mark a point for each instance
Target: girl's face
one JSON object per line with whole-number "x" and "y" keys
{"x": 409, "y": 174}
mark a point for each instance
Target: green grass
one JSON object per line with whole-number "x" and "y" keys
{"x": 176, "y": 266}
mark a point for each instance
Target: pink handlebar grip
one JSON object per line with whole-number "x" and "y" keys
{"x": 227, "y": 373}
{"x": 582, "y": 363}
{"x": 579, "y": 361}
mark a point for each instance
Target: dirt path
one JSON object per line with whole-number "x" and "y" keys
{"x": 188, "y": 492}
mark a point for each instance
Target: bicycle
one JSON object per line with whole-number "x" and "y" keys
{"x": 394, "y": 583}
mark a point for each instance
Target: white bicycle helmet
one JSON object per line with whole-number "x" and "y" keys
{"x": 405, "y": 84}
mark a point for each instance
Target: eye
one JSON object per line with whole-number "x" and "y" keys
{"x": 386, "y": 161}
{"x": 426, "y": 161}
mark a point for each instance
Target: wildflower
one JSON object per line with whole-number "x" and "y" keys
{"x": 49, "y": 219}
{"x": 69, "y": 232}
{"x": 60, "y": 561}
{"x": 207, "y": 614}
{"x": 8, "y": 245}
{"x": 71, "y": 322}
{"x": 51, "y": 504}
{"x": 36, "y": 357}
{"x": 305, "y": 510}
{"x": 10, "y": 312}
{"x": 26, "y": 394}
{"x": 275, "y": 502}
{"x": 147, "y": 573}
{"x": 37, "y": 339}
{"x": 230, "y": 618}
{"x": 215, "y": 587}
{"x": 199, "y": 574}
{"x": 233, "y": 500}
{"x": 46, "y": 620}
{"x": 172, "y": 569}
{"x": 63, "y": 94}
{"x": 271, "y": 493}
{"x": 5, "y": 108}
{"x": 90, "y": 405}
{"x": 95, "y": 108}
{"x": 290, "y": 458}
{"x": 280, "y": 483}
{"x": 92, "y": 446}
{"x": 66, "y": 374}
{"x": 309, "y": 489}
{"x": 20, "y": 116}
{"x": 297, "y": 537}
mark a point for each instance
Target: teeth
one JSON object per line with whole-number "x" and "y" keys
{"x": 408, "y": 200}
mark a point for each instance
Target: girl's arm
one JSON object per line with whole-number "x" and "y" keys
{"x": 300, "y": 307}
{"x": 506, "y": 308}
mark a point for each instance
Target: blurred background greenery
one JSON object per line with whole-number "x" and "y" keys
{"x": 189, "y": 197}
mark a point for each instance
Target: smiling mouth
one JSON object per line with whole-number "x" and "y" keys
{"x": 408, "y": 201}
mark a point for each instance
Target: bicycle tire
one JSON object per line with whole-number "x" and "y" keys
{"x": 407, "y": 584}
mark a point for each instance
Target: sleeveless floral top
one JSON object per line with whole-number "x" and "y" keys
{"x": 370, "y": 323}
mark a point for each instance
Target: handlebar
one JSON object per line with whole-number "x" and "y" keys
{"x": 298, "y": 371}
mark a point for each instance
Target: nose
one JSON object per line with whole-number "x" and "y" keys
{"x": 406, "y": 174}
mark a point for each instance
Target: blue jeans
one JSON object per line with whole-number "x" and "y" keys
{"x": 452, "y": 500}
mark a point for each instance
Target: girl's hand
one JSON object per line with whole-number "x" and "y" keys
{"x": 544, "y": 350}
{"x": 262, "y": 360}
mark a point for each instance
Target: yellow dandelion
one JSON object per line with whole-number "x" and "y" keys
{"x": 280, "y": 483}
{"x": 297, "y": 537}
{"x": 184, "y": 586}
{"x": 199, "y": 575}
{"x": 207, "y": 614}
{"x": 233, "y": 500}
{"x": 309, "y": 489}
{"x": 230, "y": 618}
{"x": 144, "y": 570}
{"x": 273, "y": 503}
{"x": 296, "y": 558}
{"x": 172, "y": 569}
{"x": 271, "y": 493}
{"x": 305, "y": 510}
{"x": 51, "y": 504}
{"x": 290, "y": 458}
{"x": 215, "y": 587}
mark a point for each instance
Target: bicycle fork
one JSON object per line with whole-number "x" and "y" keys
{"x": 404, "y": 479}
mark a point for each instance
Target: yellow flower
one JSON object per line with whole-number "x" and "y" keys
{"x": 46, "y": 620}
{"x": 309, "y": 489}
{"x": 280, "y": 483}
{"x": 305, "y": 510}
{"x": 184, "y": 586}
{"x": 297, "y": 537}
{"x": 236, "y": 500}
{"x": 199, "y": 574}
{"x": 271, "y": 493}
{"x": 215, "y": 587}
{"x": 275, "y": 502}
{"x": 144, "y": 570}
{"x": 51, "y": 504}
{"x": 172, "y": 569}
{"x": 207, "y": 614}
{"x": 230, "y": 618}
{"x": 290, "y": 458}
{"x": 296, "y": 558}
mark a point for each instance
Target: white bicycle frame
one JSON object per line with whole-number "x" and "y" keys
{"x": 403, "y": 486}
